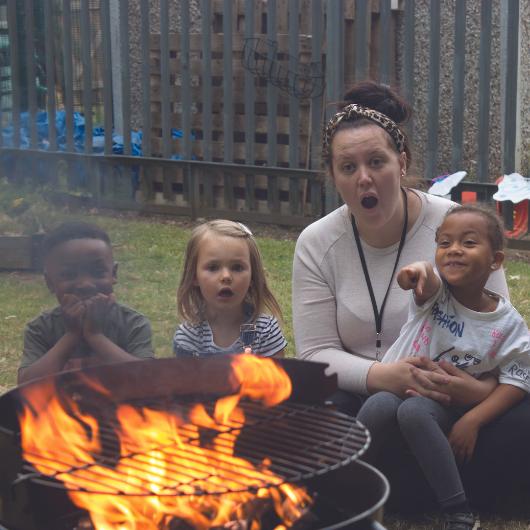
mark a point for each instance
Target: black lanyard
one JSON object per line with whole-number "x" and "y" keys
{"x": 378, "y": 315}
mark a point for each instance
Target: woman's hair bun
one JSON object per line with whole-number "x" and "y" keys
{"x": 379, "y": 97}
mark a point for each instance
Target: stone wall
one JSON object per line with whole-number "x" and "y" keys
{"x": 471, "y": 92}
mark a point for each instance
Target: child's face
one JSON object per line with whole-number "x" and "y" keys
{"x": 223, "y": 271}
{"x": 80, "y": 267}
{"x": 464, "y": 257}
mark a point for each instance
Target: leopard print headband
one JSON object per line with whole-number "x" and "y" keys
{"x": 353, "y": 112}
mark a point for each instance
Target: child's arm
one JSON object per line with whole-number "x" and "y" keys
{"x": 270, "y": 341}
{"x": 105, "y": 351}
{"x": 420, "y": 277}
{"x": 463, "y": 435}
{"x": 52, "y": 361}
{"x": 55, "y": 358}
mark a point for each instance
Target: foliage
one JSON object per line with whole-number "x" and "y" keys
{"x": 24, "y": 209}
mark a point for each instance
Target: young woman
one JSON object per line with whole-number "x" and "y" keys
{"x": 347, "y": 306}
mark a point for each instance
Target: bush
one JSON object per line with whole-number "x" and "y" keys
{"x": 24, "y": 209}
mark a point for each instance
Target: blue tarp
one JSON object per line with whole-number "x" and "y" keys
{"x": 98, "y": 140}
{"x": 98, "y": 135}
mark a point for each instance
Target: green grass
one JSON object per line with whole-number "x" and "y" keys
{"x": 150, "y": 254}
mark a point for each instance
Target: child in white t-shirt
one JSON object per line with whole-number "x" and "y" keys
{"x": 454, "y": 318}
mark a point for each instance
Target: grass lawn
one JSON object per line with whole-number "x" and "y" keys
{"x": 149, "y": 253}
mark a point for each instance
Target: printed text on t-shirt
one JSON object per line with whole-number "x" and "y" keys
{"x": 445, "y": 320}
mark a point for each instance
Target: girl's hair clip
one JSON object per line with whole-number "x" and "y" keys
{"x": 245, "y": 229}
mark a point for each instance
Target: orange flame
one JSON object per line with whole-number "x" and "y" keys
{"x": 163, "y": 472}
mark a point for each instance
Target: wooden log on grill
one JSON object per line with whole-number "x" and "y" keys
{"x": 207, "y": 379}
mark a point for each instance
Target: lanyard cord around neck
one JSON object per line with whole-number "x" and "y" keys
{"x": 378, "y": 315}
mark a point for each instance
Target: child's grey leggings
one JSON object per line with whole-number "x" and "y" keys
{"x": 424, "y": 423}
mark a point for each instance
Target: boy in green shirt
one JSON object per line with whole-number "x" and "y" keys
{"x": 88, "y": 327}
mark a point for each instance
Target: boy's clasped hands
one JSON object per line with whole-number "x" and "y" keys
{"x": 84, "y": 318}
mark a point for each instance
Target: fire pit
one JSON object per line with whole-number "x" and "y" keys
{"x": 264, "y": 451}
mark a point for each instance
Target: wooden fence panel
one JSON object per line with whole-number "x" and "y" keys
{"x": 248, "y": 88}
{"x": 261, "y": 112}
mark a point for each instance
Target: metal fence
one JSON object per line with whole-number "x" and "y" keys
{"x": 238, "y": 93}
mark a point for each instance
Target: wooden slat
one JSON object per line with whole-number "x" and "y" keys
{"x": 239, "y": 109}
{"x": 238, "y": 42}
{"x": 175, "y": 92}
{"x": 282, "y": 17}
{"x": 305, "y": 17}
{"x": 349, "y": 10}
{"x": 217, "y": 180}
{"x": 218, "y": 150}
{"x": 217, "y": 68}
{"x": 239, "y": 123}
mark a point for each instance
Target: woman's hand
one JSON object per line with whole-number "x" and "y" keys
{"x": 443, "y": 377}
{"x": 403, "y": 378}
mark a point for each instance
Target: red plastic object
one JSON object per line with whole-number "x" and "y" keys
{"x": 520, "y": 217}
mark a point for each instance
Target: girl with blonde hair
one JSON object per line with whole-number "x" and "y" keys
{"x": 223, "y": 298}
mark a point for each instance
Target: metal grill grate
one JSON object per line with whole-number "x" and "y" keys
{"x": 298, "y": 441}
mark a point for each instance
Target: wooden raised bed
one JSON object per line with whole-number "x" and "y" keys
{"x": 21, "y": 252}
